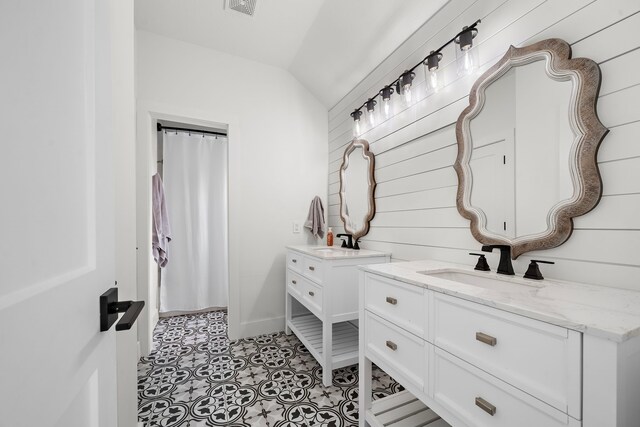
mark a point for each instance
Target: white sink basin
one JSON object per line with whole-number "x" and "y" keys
{"x": 330, "y": 250}
{"x": 479, "y": 279}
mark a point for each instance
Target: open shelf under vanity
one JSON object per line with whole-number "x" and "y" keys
{"x": 402, "y": 409}
{"x": 308, "y": 329}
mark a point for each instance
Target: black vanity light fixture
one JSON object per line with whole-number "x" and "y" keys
{"x": 467, "y": 63}
{"x": 357, "y": 129}
{"x": 403, "y": 86}
{"x": 371, "y": 111}
{"x": 387, "y": 108}
{"x": 432, "y": 73}
{"x": 466, "y": 56}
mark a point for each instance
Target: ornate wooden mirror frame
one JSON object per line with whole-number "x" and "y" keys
{"x": 344, "y": 214}
{"x": 585, "y": 76}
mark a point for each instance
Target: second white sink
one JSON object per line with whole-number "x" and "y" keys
{"x": 329, "y": 250}
{"x": 481, "y": 280}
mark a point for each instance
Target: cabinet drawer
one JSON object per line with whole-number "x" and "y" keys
{"x": 395, "y": 350}
{"x": 311, "y": 296}
{"x": 472, "y": 395}
{"x": 312, "y": 268}
{"x": 294, "y": 283}
{"x": 541, "y": 359}
{"x": 295, "y": 261}
{"x": 401, "y": 304}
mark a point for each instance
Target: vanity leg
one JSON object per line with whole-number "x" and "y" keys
{"x": 364, "y": 389}
{"x": 364, "y": 364}
{"x": 287, "y": 313}
{"x": 327, "y": 350}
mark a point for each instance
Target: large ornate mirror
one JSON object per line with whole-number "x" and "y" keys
{"x": 527, "y": 146}
{"x": 357, "y": 186}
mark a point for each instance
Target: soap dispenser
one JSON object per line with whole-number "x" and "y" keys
{"x": 330, "y": 237}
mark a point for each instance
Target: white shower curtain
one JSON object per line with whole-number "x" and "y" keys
{"x": 195, "y": 180}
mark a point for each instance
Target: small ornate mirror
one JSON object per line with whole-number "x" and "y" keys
{"x": 357, "y": 185}
{"x": 527, "y": 146}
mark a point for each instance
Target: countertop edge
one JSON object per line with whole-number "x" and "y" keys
{"x": 310, "y": 250}
{"x": 592, "y": 330}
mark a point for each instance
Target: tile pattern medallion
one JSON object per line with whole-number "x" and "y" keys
{"x": 196, "y": 377}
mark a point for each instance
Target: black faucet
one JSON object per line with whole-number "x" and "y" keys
{"x": 505, "y": 266}
{"x": 345, "y": 244}
{"x": 533, "y": 272}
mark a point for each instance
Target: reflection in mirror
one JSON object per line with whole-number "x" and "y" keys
{"x": 521, "y": 143}
{"x": 357, "y": 185}
{"x": 527, "y": 146}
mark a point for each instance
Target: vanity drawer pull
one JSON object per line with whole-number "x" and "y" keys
{"x": 487, "y": 339}
{"x": 393, "y": 346}
{"x": 294, "y": 260}
{"x": 485, "y": 406}
{"x": 294, "y": 282}
{"x": 311, "y": 293}
{"x": 392, "y": 301}
{"x": 311, "y": 268}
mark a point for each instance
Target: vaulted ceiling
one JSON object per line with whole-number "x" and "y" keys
{"x": 328, "y": 45}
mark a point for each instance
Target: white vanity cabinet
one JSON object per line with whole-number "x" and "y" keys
{"x": 324, "y": 280}
{"x": 534, "y": 354}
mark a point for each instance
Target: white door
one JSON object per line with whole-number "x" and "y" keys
{"x": 56, "y": 215}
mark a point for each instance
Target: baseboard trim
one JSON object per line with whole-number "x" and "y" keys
{"x": 261, "y": 327}
{"x": 183, "y": 312}
{"x": 155, "y": 317}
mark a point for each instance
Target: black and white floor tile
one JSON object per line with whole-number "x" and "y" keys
{"x": 196, "y": 377}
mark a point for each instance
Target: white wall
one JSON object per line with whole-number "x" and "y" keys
{"x": 277, "y": 159}
{"x": 415, "y": 198}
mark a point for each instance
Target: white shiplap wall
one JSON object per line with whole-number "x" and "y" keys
{"x": 416, "y": 214}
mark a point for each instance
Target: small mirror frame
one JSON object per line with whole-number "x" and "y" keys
{"x": 356, "y": 143}
{"x": 586, "y": 78}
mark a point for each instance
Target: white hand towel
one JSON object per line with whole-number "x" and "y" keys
{"x": 315, "y": 218}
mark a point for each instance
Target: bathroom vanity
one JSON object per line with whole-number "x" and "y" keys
{"x": 482, "y": 349}
{"x": 324, "y": 280}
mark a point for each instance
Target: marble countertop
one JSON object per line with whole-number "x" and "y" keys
{"x": 336, "y": 252}
{"x": 609, "y": 313}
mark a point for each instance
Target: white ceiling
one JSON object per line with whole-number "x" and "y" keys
{"x": 328, "y": 45}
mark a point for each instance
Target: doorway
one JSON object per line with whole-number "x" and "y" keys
{"x": 149, "y": 115}
{"x": 191, "y": 182}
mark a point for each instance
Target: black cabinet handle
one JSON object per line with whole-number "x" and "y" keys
{"x": 110, "y": 307}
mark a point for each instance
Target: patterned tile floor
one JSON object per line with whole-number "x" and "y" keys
{"x": 196, "y": 377}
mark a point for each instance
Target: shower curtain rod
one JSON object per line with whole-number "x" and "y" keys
{"x": 207, "y": 132}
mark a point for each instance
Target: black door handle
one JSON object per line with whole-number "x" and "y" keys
{"x": 110, "y": 307}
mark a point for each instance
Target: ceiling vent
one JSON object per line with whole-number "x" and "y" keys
{"x": 247, "y": 7}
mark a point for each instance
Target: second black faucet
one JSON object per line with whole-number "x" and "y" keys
{"x": 505, "y": 266}
{"x": 344, "y": 244}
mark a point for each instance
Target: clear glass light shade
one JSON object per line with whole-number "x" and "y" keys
{"x": 434, "y": 79}
{"x": 372, "y": 118}
{"x": 467, "y": 59}
{"x": 407, "y": 95}
{"x": 405, "y": 88}
{"x": 357, "y": 128}
{"x": 387, "y": 108}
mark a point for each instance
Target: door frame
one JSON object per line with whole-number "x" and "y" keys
{"x": 148, "y": 113}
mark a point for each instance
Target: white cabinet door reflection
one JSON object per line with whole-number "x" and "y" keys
{"x": 522, "y": 139}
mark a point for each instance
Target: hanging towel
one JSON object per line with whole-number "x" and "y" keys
{"x": 160, "y": 229}
{"x": 315, "y": 219}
